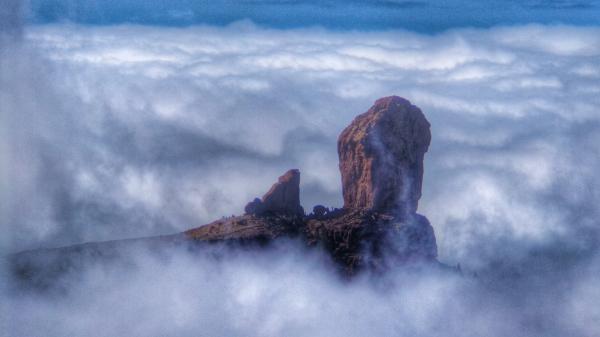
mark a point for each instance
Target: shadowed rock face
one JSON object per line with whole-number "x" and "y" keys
{"x": 363, "y": 239}
{"x": 282, "y": 198}
{"x": 381, "y": 157}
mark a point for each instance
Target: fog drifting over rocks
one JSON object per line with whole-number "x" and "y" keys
{"x": 129, "y": 131}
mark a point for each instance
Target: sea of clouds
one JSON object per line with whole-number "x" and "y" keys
{"x": 128, "y": 131}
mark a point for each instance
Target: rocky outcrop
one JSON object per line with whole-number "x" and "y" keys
{"x": 381, "y": 162}
{"x": 283, "y": 197}
{"x": 381, "y": 157}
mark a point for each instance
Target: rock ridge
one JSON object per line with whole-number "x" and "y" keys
{"x": 381, "y": 157}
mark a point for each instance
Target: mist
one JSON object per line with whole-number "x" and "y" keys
{"x": 131, "y": 131}
{"x": 287, "y": 290}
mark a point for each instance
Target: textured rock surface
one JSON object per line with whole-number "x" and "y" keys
{"x": 282, "y": 198}
{"x": 247, "y": 227}
{"x": 357, "y": 239}
{"x": 362, "y": 239}
{"x": 381, "y": 157}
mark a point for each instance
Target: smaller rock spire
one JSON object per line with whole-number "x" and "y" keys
{"x": 283, "y": 197}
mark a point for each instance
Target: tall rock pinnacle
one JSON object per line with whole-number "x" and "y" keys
{"x": 381, "y": 157}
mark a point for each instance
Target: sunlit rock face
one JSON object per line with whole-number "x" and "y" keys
{"x": 381, "y": 157}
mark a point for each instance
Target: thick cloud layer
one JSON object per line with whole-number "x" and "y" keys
{"x": 132, "y": 131}
{"x": 286, "y": 291}
{"x": 127, "y": 131}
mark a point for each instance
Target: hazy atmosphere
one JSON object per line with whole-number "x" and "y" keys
{"x": 140, "y": 118}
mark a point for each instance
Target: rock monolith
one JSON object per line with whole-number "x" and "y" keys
{"x": 381, "y": 157}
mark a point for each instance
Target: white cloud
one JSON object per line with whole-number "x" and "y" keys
{"x": 192, "y": 123}
{"x": 130, "y": 131}
{"x": 175, "y": 293}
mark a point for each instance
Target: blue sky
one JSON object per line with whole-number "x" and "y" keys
{"x": 415, "y": 15}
